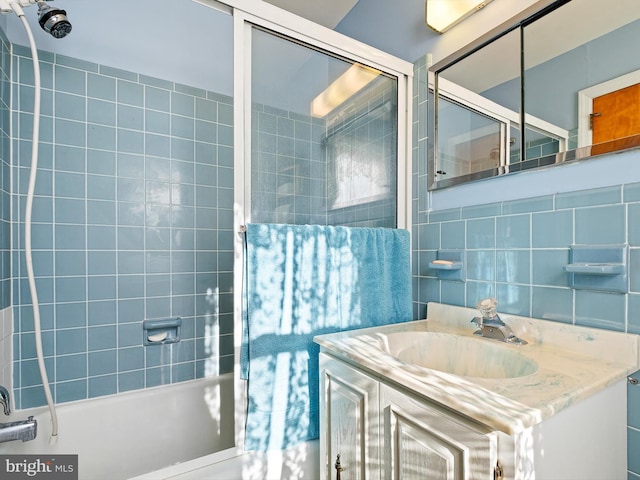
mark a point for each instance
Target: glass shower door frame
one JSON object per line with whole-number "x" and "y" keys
{"x": 250, "y": 13}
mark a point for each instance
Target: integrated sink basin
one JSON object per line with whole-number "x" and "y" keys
{"x": 458, "y": 355}
{"x": 505, "y": 386}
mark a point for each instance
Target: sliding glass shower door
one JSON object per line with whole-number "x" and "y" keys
{"x": 324, "y": 137}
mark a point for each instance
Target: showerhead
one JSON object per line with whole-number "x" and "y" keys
{"x": 53, "y": 20}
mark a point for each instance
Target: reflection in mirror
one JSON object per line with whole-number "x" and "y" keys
{"x": 579, "y": 89}
{"x": 584, "y": 76}
{"x": 478, "y": 110}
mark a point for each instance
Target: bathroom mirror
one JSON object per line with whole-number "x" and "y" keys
{"x": 559, "y": 82}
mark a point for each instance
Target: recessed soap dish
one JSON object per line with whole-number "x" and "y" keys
{"x": 599, "y": 267}
{"x": 445, "y": 265}
{"x": 161, "y": 331}
{"x": 450, "y": 265}
{"x": 587, "y": 268}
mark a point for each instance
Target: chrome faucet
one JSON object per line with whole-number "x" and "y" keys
{"x": 24, "y": 430}
{"x": 5, "y": 400}
{"x": 491, "y": 326}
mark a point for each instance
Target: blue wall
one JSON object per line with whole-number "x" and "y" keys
{"x": 133, "y": 220}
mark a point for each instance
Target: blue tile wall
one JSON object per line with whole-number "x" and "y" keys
{"x": 290, "y": 166}
{"x": 530, "y": 249}
{"x": 133, "y": 220}
{"x": 371, "y": 135}
{"x": 5, "y": 175}
{"x": 516, "y": 251}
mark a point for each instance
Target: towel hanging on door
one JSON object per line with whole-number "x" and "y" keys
{"x": 302, "y": 281}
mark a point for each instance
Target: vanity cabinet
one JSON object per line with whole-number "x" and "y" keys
{"x": 349, "y": 422}
{"x": 384, "y": 431}
{"x": 419, "y": 437}
{"x": 380, "y": 432}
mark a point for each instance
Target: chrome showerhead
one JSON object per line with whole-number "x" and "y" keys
{"x": 53, "y": 20}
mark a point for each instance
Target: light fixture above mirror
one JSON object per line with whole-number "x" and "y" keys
{"x": 441, "y": 15}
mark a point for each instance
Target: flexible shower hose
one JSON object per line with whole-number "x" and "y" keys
{"x": 27, "y": 223}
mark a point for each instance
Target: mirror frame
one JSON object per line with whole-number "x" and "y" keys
{"x": 518, "y": 22}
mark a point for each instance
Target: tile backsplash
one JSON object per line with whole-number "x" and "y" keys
{"x": 133, "y": 220}
{"x": 516, "y": 251}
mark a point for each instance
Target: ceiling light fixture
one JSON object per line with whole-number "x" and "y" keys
{"x": 354, "y": 79}
{"x": 441, "y": 15}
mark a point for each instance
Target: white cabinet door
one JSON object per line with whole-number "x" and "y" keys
{"x": 423, "y": 441}
{"x": 349, "y": 422}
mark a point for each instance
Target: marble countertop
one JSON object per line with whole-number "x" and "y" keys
{"x": 573, "y": 363}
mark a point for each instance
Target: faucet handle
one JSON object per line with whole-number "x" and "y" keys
{"x": 487, "y": 307}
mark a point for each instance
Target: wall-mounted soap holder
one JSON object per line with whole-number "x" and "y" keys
{"x": 161, "y": 331}
{"x": 599, "y": 267}
{"x": 450, "y": 265}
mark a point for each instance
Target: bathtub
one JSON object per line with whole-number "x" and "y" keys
{"x": 301, "y": 462}
{"x": 130, "y": 434}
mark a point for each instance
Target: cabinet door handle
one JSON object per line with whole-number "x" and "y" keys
{"x": 498, "y": 472}
{"x": 338, "y": 467}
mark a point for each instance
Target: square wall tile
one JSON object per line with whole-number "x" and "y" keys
{"x": 481, "y": 265}
{"x": 130, "y": 93}
{"x": 600, "y": 310}
{"x": 631, "y": 192}
{"x": 71, "y": 367}
{"x": 128, "y": 381}
{"x": 548, "y": 267}
{"x": 476, "y": 291}
{"x": 634, "y": 269}
{"x": 429, "y": 290}
{"x": 553, "y": 229}
{"x": 513, "y": 231}
{"x": 429, "y": 237}
{"x": 481, "y": 233}
{"x": 634, "y": 224}
{"x": 101, "y": 312}
{"x": 513, "y": 266}
{"x": 101, "y": 87}
{"x": 452, "y": 293}
{"x": 71, "y": 391}
{"x": 514, "y": 299}
{"x": 601, "y": 225}
{"x": 633, "y": 313}
{"x": 102, "y": 385}
{"x": 101, "y": 338}
{"x": 550, "y": 303}
{"x": 70, "y": 80}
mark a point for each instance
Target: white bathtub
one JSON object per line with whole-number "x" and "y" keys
{"x": 301, "y": 462}
{"x": 130, "y": 434}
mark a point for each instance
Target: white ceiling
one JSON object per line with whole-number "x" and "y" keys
{"x": 325, "y": 12}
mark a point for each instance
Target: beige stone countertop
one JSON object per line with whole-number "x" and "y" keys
{"x": 564, "y": 364}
